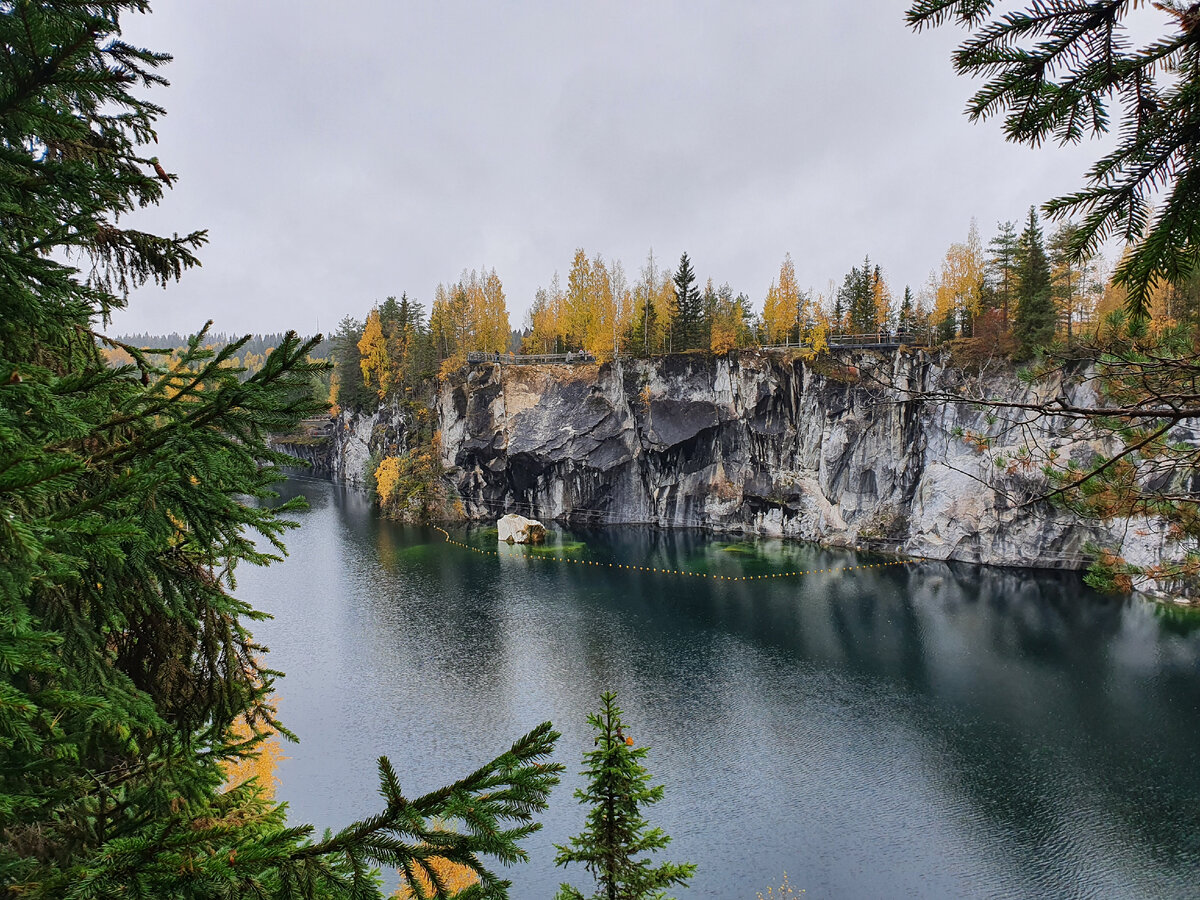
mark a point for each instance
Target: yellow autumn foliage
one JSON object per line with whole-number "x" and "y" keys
{"x": 261, "y": 766}
{"x": 591, "y": 314}
{"x": 115, "y": 357}
{"x": 468, "y": 316}
{"x": 578, "y": 311}
{"x": 455, "y": 876}
{"x": 818, "y": 336}
{"x": 409, "y": 485}
{"x": 543, "y": 320}
{"x": 375, "y": 363}
{"x": 387, "y": 477}
{"x": 783, "y": 306}
{"x": 785, "y": 890}
{"x": 724, "y": 332}
{"x": 958, "y": 287}
{"x": 729, "y": 329}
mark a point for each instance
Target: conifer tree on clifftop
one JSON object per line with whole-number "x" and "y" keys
{"x": 1034, "y": 321}
{"x": 689, "y": 320}
{"x": 127, "y": 661}
{"x": 1001, "y": 267}
{"x": 858, "y": 297}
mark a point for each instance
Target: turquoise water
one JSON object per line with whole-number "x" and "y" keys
{"x": 909, "y": 731}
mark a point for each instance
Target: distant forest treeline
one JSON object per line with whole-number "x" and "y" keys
{"x": 250, "y": 356}
{"x": 1019, "y": 292}
{"x": 259, "y": 344}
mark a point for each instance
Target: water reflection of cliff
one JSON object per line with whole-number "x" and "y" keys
{"x": 928, "y": 730}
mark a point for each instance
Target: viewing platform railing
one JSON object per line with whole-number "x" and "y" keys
{"x": 870, "y": 340}
{"x": 475, "y": 357}
{"x": 877, "y": 340}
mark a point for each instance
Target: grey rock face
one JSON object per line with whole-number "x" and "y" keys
{"x": 833, "y": 452}
{"x": 361, "y": 437}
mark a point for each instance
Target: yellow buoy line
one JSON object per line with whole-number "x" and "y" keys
{"x": 679, "y": 572}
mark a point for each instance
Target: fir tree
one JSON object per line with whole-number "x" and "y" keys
{"x": 947, "y": 326}
{"x": 391, "y": 318}
{"x": 1033, "y": 324}
{"x": 128, "y": 662}
{"x": 857, "y": 296}
{"x": 689, "y": 320}
{"x": 1001, "y": 266}
{"x": 352, "y": 393}
{"x": 420, "y": 360}
{"x": 616, "y": 842}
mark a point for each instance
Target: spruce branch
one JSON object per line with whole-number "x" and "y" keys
{"x": 1052, "y": 69}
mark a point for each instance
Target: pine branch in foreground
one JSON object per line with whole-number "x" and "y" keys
{"x": 129, "y": 496}
{"x": 1055, "y": 71}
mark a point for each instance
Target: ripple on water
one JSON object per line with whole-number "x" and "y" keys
{"x": 936, "y": 731}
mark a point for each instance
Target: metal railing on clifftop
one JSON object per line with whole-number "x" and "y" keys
{"x": 878, "y": 340}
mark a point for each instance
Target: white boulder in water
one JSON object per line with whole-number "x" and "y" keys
{"x": 515, "y": 529}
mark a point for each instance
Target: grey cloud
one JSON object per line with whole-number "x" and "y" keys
{"x": 342, "y": 153}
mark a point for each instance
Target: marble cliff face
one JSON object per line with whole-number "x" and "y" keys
{"x": 833, "y": 451}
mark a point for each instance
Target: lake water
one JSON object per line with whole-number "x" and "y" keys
{"x": 916, "y": 731}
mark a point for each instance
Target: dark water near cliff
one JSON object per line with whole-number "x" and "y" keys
{"x": 923, "y": 731}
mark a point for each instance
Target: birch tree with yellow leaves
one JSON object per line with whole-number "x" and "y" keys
{"x": 597, "y": 339}
{"x": 576, "y": 320}
{"x": 490, "y": 314}
{"x": 591, "y": 314}
{"x": 781, "y": 308}
{"x": 958, "y": 297}
{"x": 729, "y": 317}
{"x": 667, "y": 304}
{"x": 471, "y": 314}
{"x": 447, "y": 321}
{"x": 789, "y": 315}
{"x": 545, "y": 332}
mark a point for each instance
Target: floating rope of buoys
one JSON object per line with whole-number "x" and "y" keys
{"x": 678, "y": 572}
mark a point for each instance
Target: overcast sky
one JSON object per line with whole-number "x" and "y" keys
{"x": 339, "y": 153}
